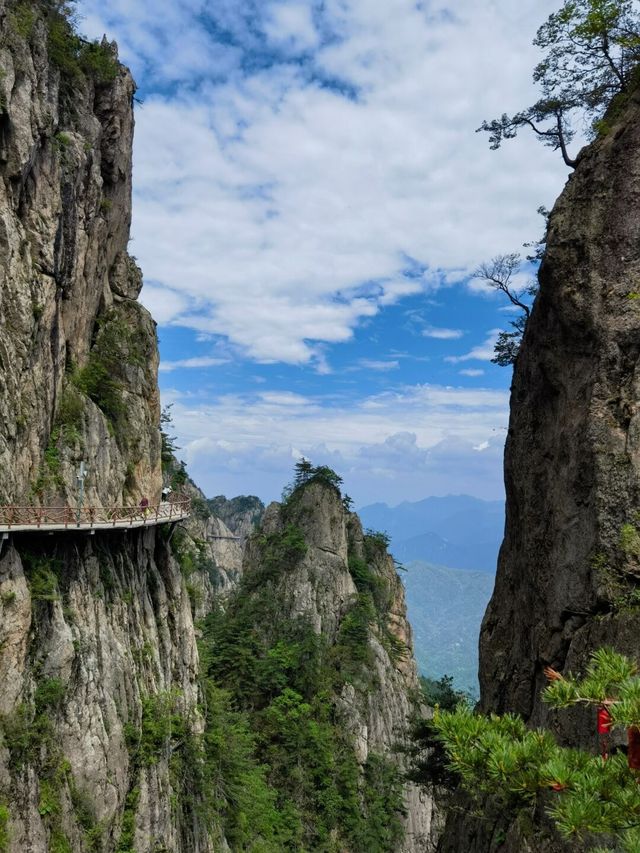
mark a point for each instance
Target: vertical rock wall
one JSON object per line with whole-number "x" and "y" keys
{"x": 66, "y": 279}
{"x": 92, "y": 629}
{"x": 569, "y": 566}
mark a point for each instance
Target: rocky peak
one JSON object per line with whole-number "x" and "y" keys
{"x": 240, "y": 514}
{"x": 344, "y": 583}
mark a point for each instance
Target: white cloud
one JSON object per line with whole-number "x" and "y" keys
{"x": 195, "y": 362}
{"x": 257, "y": 436}
{"x": 267, "y": 197}
{"x": 483, "y": 352}
{"x": 442, "y": 334}
{"x": 471, "y": 371}
{"x": 291, "y": 25}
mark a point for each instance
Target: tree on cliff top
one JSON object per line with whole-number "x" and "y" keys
{"x": 592, "y": 794}
{"x": 591, "y": 52}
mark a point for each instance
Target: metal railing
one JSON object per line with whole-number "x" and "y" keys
{"x": 67, "y": 517}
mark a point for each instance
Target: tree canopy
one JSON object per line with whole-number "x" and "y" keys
{"x": 591, "y": 793}
{"x": 591, "y": 52}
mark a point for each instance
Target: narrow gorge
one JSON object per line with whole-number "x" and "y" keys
{"x": 195, "y": 688}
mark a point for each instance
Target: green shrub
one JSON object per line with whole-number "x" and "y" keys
{"x": 442, "y": 693}
{"x": 280, "y": 552}
{"x": 161, "y": 723}
{"x": 5, "y": 837}
{"x": 630, "y": 540}
{"x": 49, "y": 694}
{"x": 75, "y": 57}
{"x": 22, "y": 19}
{"x": 49, "y": 474}
{"x": 62, "y": 140}
{"x": 117, "y": 344}
{"x": 26, "y": 735}
{"x": 98, "y": 62}
{"x": 70, "y": 414}
{"x": 43, "y": 582}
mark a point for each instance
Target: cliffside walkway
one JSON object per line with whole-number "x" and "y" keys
{"x": 24, "y": 519}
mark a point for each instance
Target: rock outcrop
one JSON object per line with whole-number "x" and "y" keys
{"x": 240, "y": 514}
{"x": 568, "y": 568}
{"x": 78, "y": 354}
{"x": 568, "y": 574}
{"x": 97, "y": 642}
{"x": 324, "y": 588}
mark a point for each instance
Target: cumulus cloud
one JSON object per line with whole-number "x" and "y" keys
{"x": 259, "y": 436}
{"x": 483, "y": 352}
{"x": 301, "y": 165}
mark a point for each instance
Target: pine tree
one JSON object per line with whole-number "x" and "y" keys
{"x": 591, "y": 49}
{"x": 593, "y": 793}
{"x": 303, "y": 471}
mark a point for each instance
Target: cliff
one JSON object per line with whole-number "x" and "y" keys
{"x": 96, "y": 633}
{"x": 78, "y": 353}
{"x": 568, "y": 568}
{"x": 568, "y": 571}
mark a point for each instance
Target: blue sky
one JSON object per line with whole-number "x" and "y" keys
{"x": 310, "y": 199}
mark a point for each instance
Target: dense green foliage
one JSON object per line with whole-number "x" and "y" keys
{"x": 441, "y": 693}
{"x": 305, "y": 473}
{"x": 5, "y": 836}
{"x": 117, "y": 345}
{"x": 75, "y": 57}
{"x": 501, "y": 756}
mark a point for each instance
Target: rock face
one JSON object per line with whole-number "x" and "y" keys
{"x": 322, "y": 589}
{"x": 91, "y": 627}
{"x": 568, "y": 571}
{"x": 68, "y": 311}
{"x": 241, "y": 514}
{"x": 96, "y": 633}
{"x": 568, "y": 566}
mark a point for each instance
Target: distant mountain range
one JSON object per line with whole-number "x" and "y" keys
{"x": 457, "y": 531}
{"x": 449, "y": 547}
{"x": 445, "y": 608}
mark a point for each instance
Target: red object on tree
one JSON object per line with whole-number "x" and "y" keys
{"x": 604, "y": 721}
{"x": 633, "y": 752}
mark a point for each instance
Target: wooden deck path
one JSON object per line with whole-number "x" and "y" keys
{"x": 24, "y": 519}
